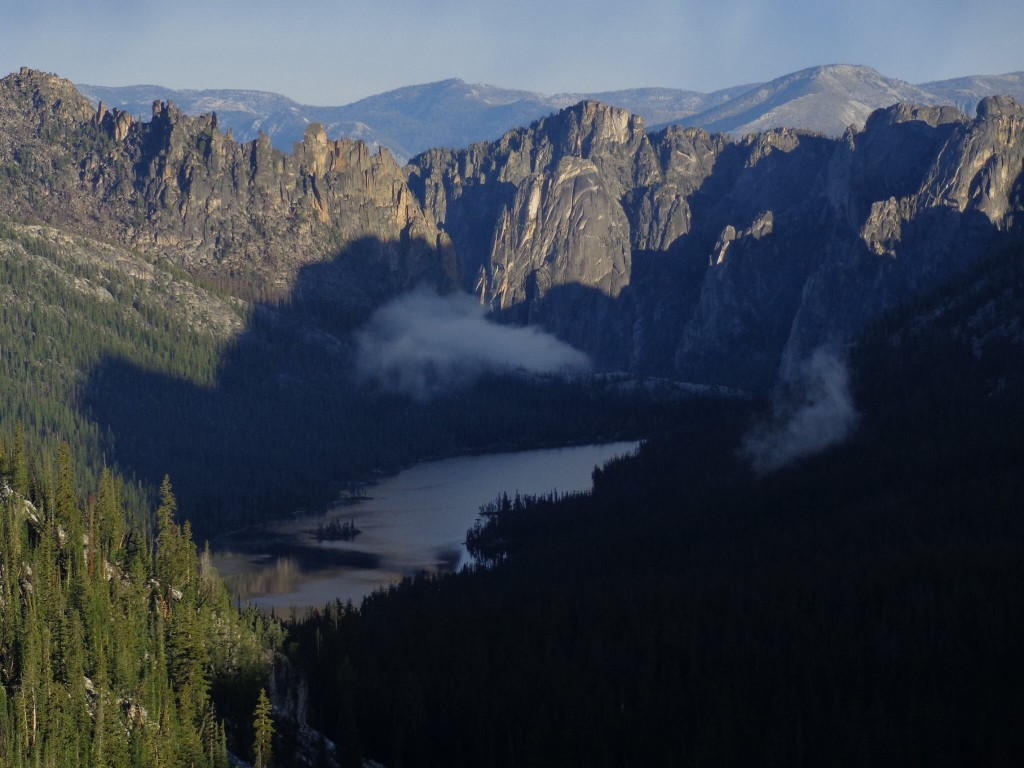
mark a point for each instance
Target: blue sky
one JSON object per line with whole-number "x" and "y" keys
{"x": 322, "y": 52}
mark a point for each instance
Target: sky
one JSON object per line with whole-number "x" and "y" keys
{"x": 332, "y": 53}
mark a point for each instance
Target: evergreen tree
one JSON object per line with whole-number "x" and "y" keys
{"x": 101, "y": 664}
{"x": 19, "y": 462}
{"x": 263, "y": 729}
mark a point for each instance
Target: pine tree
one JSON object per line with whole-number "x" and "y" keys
{"x": 263, "y": 728}
{"x": 65, "y": 502}
{"x": 168, "y": 565}
{"x": 19, "y": 462}
{"x": 110, "y": 515}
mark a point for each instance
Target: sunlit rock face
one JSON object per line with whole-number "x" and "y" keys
{"x": 717, "y": 259}
{"x": 178, "y": 187}
{"x": 563, "y": 228}
{"x": 539, "y": 223}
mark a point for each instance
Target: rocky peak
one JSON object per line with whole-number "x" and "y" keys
{"x": 999, "y": 106}
{"x": 177, "y": 186}
{"x": 980, "y": 167}
{"x": 47, "y": 93}
{"x": 903, "y": 112}
{"x": 590, "y": 126}
{"x": 612, "y": 138}
{"x": 777, "y": 140}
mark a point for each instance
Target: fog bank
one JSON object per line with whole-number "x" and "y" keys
{"x": 814, "y": 412}
{"x": 422, "y": 345}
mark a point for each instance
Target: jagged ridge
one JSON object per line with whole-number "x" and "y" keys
{"x": 178, "y": 186}
{"x": 716, "y": 259}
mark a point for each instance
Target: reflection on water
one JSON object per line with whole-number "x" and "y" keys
{"x": 410, "y": 523}
{"x": 281, "y": 575}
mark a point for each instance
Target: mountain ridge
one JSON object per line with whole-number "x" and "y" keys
{"x": 715, "y": 259}
{"x": 827, "y": 99}
{"x": 178, "y": 185}
{"x": 464, "y": 113}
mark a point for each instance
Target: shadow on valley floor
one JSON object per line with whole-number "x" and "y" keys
{"x": 286, "y": 423}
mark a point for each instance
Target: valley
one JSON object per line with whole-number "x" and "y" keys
{"x": 812, "y": 558}
{"x": 409, "y": 524}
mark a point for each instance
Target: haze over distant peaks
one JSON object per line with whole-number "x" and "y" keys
{"x": 824, "y": 99}
{"x": 453, "y": 113}
{"x": 966, "y": 92}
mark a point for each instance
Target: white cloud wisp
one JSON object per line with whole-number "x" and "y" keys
{"x": 422, "y": 345}
{"x": 818, "y": 412}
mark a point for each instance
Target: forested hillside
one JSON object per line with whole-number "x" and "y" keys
{"x": 251, "y": 406}
{"x": 857, "y": 608}
{"x": 117, "y": 648}
{"x": 68, "y": 303}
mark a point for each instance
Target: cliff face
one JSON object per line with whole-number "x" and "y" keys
{"x": 680, "y": 253}
{"x": 538, "y": 223}
{"x": 721, "y": 260}
{"x": 178, "y": 187}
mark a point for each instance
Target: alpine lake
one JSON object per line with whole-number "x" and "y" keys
{"x": 410, "y": 523}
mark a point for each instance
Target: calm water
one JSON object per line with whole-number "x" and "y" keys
{"x": 414, "y": 521}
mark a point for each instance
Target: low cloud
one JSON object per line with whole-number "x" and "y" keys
{"x": 422, "y": 345}
{"x": 815, "y": 412}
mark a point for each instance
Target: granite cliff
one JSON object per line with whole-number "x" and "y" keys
{"x": 242, "y": 213}
{"x": 715, "y": 259}
{"x": 702, "y": 256}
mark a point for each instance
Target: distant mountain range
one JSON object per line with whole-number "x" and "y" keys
{"x": 452, "y": 113}
{"x": 705, "y": 257}
{"x": 449, "y": 113}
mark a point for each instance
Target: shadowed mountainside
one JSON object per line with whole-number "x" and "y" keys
{"x": 857, "y": 608}
{"x": 727, "y": 261}
{"x": 285, "y": 423}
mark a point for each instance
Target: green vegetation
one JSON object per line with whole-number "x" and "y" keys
{"x": 859, "y": 608}
{"x": 263, "y": 729}
{"x": 116, "y": 649}
{"x": 141, "y": 368}
{"x": 67, "y": 304}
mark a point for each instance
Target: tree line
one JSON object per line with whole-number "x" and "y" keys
{"x": 861, "y": 607}
{"x": 118, "y": 648}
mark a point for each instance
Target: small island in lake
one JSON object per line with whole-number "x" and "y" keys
{"x": 337, "y": 530}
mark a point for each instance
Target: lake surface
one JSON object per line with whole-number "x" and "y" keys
{"x": 412, "y": 522}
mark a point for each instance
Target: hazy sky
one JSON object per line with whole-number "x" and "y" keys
{"x": 320, "y": 52}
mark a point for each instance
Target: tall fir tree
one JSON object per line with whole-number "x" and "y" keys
{"x": 263, "y": 729}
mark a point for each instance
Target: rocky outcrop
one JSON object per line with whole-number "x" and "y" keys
{"x": 562, "y": 228}
{"x": 980, "y": 167}
{"x": 720, "y": 260}
{"x": 683, "y": 253}
{"x": 943, "y": 186}
{"x": 178, "y": 187}
{"x": 538, "y": 223}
